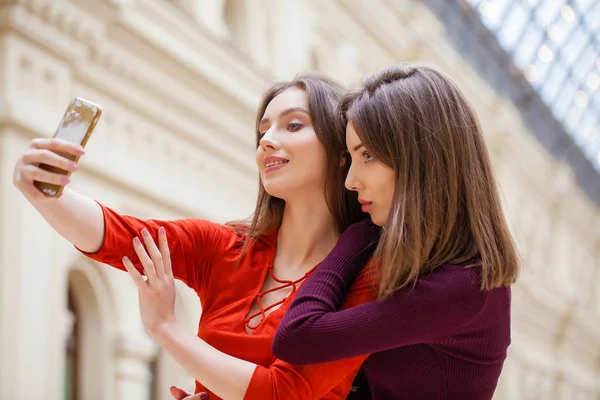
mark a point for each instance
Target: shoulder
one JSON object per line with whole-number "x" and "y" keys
{"x": 229, "y": 239}
{"x": 457, "y": 283}
{"x": 463, "y": 278}
{"x": 453, "y": 275}
{"x": 205, "y": 228}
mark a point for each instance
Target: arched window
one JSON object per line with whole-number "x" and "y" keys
{"x": 72, "y": 351}
{"x": 89, "y": 356}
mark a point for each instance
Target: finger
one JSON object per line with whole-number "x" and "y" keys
{"x": 57, "y": 145}
{"x": 198, "y": 396}
{"x": 137, "y": 278}
{"x": 38, "y": 156}
{"x": 33, "y": 173}
{"x": 147, "y": 263}
{"x": 163, "y": 245}
{"x": 177, "y": 393}
{"x": 154, "y": 253}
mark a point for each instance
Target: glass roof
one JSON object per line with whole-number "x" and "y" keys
{"x": 556, "y": 44}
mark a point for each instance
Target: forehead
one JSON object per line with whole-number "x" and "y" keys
{"x": 352, "y": 139}
{"x": 289, "y": 98}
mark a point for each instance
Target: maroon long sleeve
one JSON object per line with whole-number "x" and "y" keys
{"x": 444, "y": 339}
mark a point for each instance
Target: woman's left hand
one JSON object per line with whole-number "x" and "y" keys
{"x": 157, "y": 292}
{"x": 180, "y": 394}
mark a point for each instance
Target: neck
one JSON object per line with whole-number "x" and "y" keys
{"x": 307, "y": 234}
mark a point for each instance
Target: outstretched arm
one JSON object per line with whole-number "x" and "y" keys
{"x": 314, "y": 329}
{"x": 75, "y": 217}
{"x": 99, "y": 232}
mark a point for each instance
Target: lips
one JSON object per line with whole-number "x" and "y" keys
{"x": 272, "y": 163}
{"x": 365, "y": 205}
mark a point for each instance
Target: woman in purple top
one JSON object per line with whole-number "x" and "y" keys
{"x": 444, "y": 262}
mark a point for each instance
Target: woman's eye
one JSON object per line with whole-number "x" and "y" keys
{"x": 294, "y": 126}
{"x": 367, "y": 157}
{"x": 262, "y": 131}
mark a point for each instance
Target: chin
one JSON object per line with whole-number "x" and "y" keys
{"x": 378, "y": 223}
{"x": 277, "y": 190}
{"x": 377, "y": 220}
{"x": 291, "y": 189}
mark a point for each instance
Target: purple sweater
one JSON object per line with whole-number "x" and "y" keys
{"x": 444, "y": 340}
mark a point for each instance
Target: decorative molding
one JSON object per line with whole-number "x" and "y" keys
{"x": 135, "y": 347}
{"x": 112, "y": 61}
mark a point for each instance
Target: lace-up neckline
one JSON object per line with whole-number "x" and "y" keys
{"x": 283, "y": 285}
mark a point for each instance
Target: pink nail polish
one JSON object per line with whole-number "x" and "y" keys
{"x": 136, "y": 240}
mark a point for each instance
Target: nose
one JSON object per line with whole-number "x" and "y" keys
{"x": 269, "y": 140}
{"x": 351, "y": 182}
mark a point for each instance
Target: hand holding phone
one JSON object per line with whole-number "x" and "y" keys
{"x": 48, "y": 163}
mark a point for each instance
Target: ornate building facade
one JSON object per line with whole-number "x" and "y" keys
{"x": 180, "y": 82}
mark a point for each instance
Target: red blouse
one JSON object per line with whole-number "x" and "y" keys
{"x": 203, "y": 255}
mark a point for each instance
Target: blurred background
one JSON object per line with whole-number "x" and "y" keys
{"x": 180, "y": 82}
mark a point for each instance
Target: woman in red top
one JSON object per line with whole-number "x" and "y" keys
{"x": 244, "y": 275}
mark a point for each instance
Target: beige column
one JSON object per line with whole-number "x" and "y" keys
{"x": 133, "y": 374}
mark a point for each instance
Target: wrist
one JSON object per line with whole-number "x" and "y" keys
{"x": 163, "y": 329}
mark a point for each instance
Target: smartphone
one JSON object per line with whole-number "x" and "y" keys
{"x": 76, "y": 126}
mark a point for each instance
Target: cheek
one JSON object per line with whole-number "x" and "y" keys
{"x": 385, "y": 179}
{"x": 258, "y": 153}
{"x": 312, "y": 153}
{"x": 389, "y": 185}
{"x": 258, "y": 158}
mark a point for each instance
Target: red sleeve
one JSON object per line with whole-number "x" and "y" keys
{"x": 330, "y": 380}
{"x": 193, "y": 244}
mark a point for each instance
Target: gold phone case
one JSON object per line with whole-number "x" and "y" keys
{"x": 76, "y": 126}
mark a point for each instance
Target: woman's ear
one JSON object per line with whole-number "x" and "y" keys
{"x": 344, "y": 159}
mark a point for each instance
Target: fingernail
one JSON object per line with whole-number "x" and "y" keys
{"x": 73, "y": 166}
{"x": 161, "y": 230}
{"x": 81, "y": 150}
{"x": 125, "y": 259}
{"x": 136, "y": 240}
{"x": 66, "y": 180}
{"x": 203, "y": 396}
{"x": 145, "y": 232}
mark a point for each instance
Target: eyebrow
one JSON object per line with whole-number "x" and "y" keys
{"x": 358, "y": 146}
{"x": 285, "y": 112}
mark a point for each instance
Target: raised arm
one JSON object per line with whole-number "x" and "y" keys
{"x": 101, "y": 233}
{"x": 75, "y": 217}
{"x": 314, "y": 329}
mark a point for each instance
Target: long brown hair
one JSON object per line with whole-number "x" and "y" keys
{"x": 446, "y": 208}
{"x": 323, "y": 96}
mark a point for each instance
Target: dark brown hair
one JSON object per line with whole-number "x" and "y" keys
{"x": 446, "y": 208}
{"x": 323, "y": 96}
